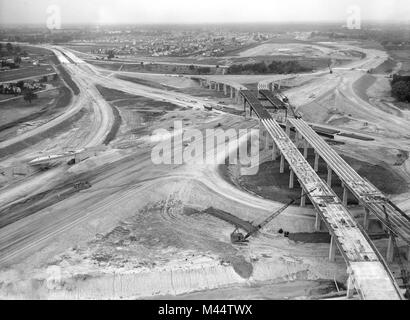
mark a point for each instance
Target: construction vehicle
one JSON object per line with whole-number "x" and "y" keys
{"x": 329, "y": 64}
{"x": 82, "y": 185}
{"x": 239, "y": 238}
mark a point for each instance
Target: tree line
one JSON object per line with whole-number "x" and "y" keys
{"x": 400, "y": 88}
{"x": 279, "y": 67}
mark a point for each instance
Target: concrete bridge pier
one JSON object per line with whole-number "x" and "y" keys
{"x": 305, "y": 149}
{"x": 303, "y": 198}
{"x": 366, "y": 219}
{"x": 282, "y": 164}
{"x": 345, "y": 195}
{"x": 316, "y": 164}
{"x": 274, "y": 151}
{"x": 333, "y": 249}
{"x": 287, "y": 129}
{"x": 267, "y": 139}
{"x": 291, "y": 178}
{"x": 350, "y": 284}
{"x": 390, "y": 250}
{"x": 329, "y": 176}
{"x": 318, "y": 222}
{"x": 240, "y": 97}
{"x": 225, "y": 89}
{"x": 231, "y": 92}
{"x": 244, "y": 108}
{"x": 297, "y": 139}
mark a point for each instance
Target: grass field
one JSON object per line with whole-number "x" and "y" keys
{"x": 25, "y": 72}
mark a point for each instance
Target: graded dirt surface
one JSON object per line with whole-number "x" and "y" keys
{"x": 142, "y": 229}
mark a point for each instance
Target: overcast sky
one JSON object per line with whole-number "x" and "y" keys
{"x": 198, "y": 11}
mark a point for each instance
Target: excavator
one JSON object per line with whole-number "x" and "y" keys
{"x": 239, "y": 238}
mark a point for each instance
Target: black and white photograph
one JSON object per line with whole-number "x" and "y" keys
{"x": 216, "y": 152}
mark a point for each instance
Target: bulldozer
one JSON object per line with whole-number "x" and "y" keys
{"x": 239, "y": 238}
{"x": 82, "y": 185}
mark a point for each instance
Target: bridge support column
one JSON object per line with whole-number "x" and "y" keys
{"x": 274, "y": 151}
{"x": 345, "y": 195}
{"x": 291, "y": 179}
{"x": 231, "y": 92}
{"x": 305, "y": 149}
{"x": 225, "y": 91}
{"x": 329, "y": 176}
{"x": 316, "y": 165}
{"x": 282, "y": 164}
{"x": 303, "y": 198}
{"x": 244, "y": 107}
{"x": 267, "y": 142}
{"x": 350, "y": 286}
{"x": 390, "y": 250}
{"x": 366, "y": 219}
{"x": 318, "y": 222}
{"x": 287, "y": 129}
{"x": 297, "y": 139}
{"x": 332, "y": 249}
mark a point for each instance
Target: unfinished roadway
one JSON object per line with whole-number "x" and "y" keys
{"x": 368, "y": 273}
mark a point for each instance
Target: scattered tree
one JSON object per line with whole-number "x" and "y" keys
{"x": 9, "y": 47}
{"x": 110, "y": 55}
{"x": 401, "y": 91}
{"x": 30, "y": 96}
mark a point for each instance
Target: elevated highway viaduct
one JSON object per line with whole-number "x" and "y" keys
{"x": 368, "y": 272}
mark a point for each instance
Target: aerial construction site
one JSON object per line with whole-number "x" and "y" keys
{"x": 220, "y": 162}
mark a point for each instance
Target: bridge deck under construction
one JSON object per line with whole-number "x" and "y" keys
{"x": 368, "y": 271}
{"x": 277, "y": 103}
{"x": 366, "y": 193}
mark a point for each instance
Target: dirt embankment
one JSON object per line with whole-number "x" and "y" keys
{"x": 63, "y": 126}
{"x": 63, "y": 99}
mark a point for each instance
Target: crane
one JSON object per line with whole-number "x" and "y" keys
{"x": 239, "y": 238}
